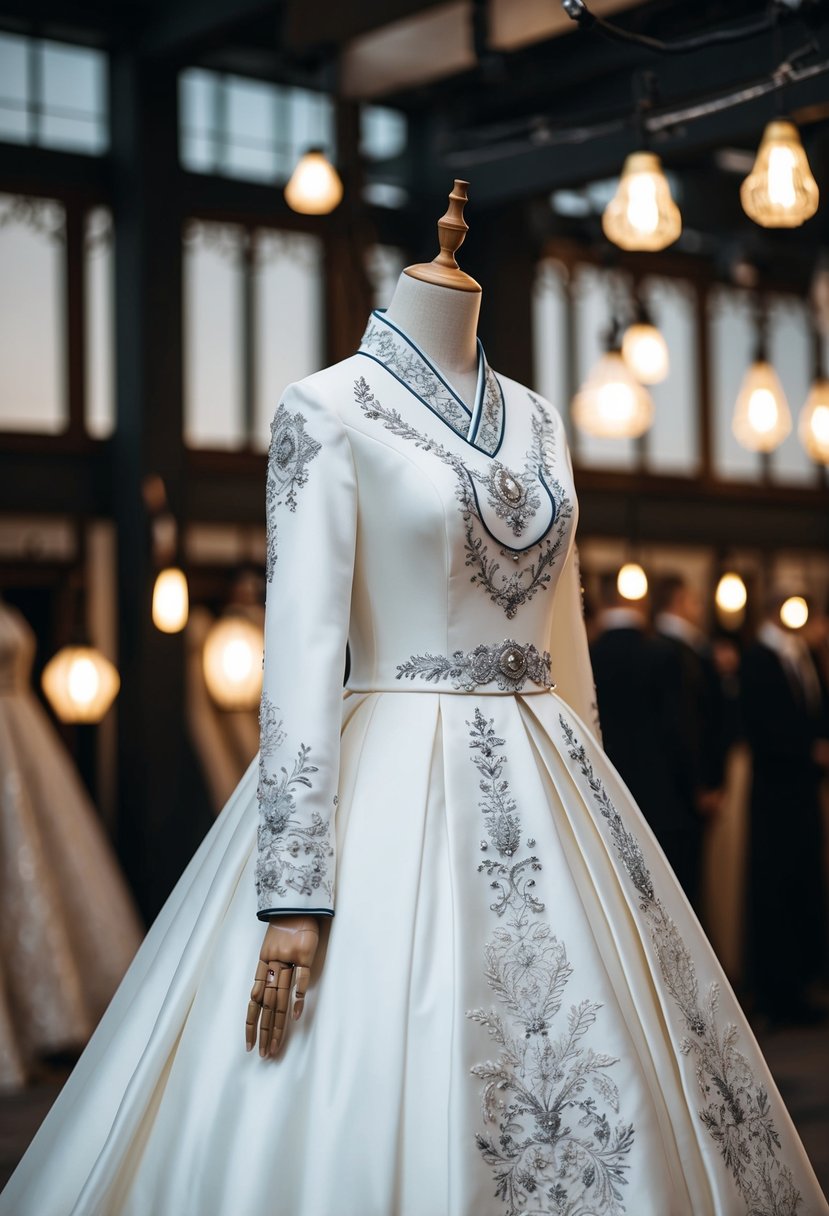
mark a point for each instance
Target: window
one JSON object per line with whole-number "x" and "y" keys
{"x": 672, "y": 443}
{"x": 32, "y": 332}
{"x": 384, "y": 135}
{"x": 250, "y": 129}
{"x": 99, "y": 323}
{"x": 53, "y": 94}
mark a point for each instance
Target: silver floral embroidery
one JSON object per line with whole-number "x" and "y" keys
{"x": 736, "y": 1111}
{"x": 290, "y": 451}
{"x": 401, "y": 358}
{"x": 517, "y": 587}
{"x": 291, "y": 854}
{"x": 513, "y": 496}
{"x": 558, "y": 1147}
{"x": 488, "y": 435}
{"x": 507, "y": 664}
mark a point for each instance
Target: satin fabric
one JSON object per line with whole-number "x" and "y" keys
{"x": 514, "y": 1010}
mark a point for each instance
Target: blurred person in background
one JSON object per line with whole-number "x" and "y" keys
{"x": 639, "y": 692}
{"x": 785, "y": 722}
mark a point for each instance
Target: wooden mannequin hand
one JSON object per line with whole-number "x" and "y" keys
{"x": 290, "y": 943}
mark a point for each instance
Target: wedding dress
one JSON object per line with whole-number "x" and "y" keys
{"x": 68, "y": 925}
{"x": 513, "y": 1010}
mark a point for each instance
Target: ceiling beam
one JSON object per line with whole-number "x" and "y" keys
{"x": 189, "y": 27}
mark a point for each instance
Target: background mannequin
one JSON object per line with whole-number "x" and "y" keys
{"x": 436, "y": 305}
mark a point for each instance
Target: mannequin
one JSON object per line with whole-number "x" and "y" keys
{"x": 437, "y": 305}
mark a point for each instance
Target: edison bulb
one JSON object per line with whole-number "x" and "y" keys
{"x": 813, "y": 426}
{"x": 794, "y": 612}
{"x": 731, "y": 594}
{"x": 632, "y": 582}
{"x": 171, "y": 601}
{"x": 80, "y": 684}
{"x": 612, "y": 403}
{"x": 761, "y": 415}
{"x": 315, "y": 187}
{"x": 646, "y": 353}
{"x": 780, "y": 191}
{"x": 232, "y": 662}
{"x": 642, "y": 215}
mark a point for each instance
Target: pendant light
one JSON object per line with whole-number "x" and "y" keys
{"x": 632, "y": 582}
{"x": 80, "y": 684}
{"x": 794, "y": 612}
{"x": 642, "y": 215}
{"x": 315, "y": 187}
{"x": 780, "y": 191}
{"x": 813, "y": 424}
{"x": 171, "y": 600}
{"x": 232, "y": 662}
{"x": 731, "y": 594}
{"x": 644, "y": 348}
{"x": 761, "y": 414}
{"x": 612, "y": 404}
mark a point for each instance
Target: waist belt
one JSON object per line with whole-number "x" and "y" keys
{"x": 506, "y": 665}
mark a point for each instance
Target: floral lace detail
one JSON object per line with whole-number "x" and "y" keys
{"x": 399, "y": 357}
{"x": 291, "y": 450}
{"x": 735, "y": 1110}
{"x": 488, "y": 435}
{"x": 558, "y": 1146}
{"x": 513, "y": 496}
{"x": 508, "y": 664}
{"x": 292, "y": 855}
{"x": 519, "y": 586}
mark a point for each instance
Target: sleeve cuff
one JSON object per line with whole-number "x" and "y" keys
{"x": 265, "y": 914}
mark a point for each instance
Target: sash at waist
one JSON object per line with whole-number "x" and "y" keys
{"x": 501, "y": 667}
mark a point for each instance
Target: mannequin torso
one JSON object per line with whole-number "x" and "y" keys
{"x": 443, "y": 322}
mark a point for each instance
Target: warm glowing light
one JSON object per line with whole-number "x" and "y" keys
{"x": 171, "y": 601}
{"x": 794, "y": 612}
{"x": 813, "y": 425}
{"x": 80, "y": 684}
{"x": 612, "y": 403}
{"x": 646, "y": 353}
{"x": 731, "y": 594}
{"x": 233, "y": 663}
{"x": 642, "y": 215}
{"x": 780, "y": 191}
{"x": 761, "y": 415}
{"x": 315, "y": 187}
{"x": 632, "y": 582}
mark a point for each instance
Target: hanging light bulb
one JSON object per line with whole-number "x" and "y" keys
{"x": 171, "y": 601}
{"x": 632, "y": 582}
{"x": 813, "y": 425}
{"x": 731, "y": 594}
{"x": 794, "y": 612}
{"x": 611, "y": 403}
{"x": 644, "y": 349}
{"x": 642, "y": 215}
{"x": 761, "y": 415}
{"x": 780, "y": 191}
{"x": 315, "y": 187}
{"x": 232, "y": 662}
{"x": 80, "y": 684}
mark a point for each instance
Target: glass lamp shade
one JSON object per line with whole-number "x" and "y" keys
{"x": 761, "y": 416}
{"x": 646, "y": 353}
{"x": 80, "y": 684}
{"x": 315, "y": 187}
{"x": 642, "y": 215}
{"x": 731, "y": 594}
{"x": 232, "y": 662}
{"x": 780, "y": 191}
{"x": 612, "y": 403}
{"x": 632, "y": 582}
{"x": 794, "y": 612}
{"x": 813, "y": 426}
{"x": 171, "y": 601}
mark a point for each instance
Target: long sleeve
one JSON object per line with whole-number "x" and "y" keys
{"x": 569, "y": 650}
{"x": 311, "y": 502}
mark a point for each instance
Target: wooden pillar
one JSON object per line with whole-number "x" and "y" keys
{"x": 160, "y": 821}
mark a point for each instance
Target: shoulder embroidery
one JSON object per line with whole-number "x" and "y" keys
{"x": 517, "y": 586}
{"x": 289, "y": 454}
{"x": 735, "y": 1107}
{"x": 559, "y": 1147}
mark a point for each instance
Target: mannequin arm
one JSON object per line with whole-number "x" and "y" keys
{"x": 288, "y": 951}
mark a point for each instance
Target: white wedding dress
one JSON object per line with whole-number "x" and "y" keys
{"x": 513, "y": 1010}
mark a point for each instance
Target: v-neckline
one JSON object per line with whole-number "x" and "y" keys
{"x": 481, "y": 427}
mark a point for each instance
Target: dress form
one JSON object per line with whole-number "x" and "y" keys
{"x": 437, "y": 305}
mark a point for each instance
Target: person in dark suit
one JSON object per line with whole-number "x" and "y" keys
{"x": 678, "y": 619}
{"x": 639, "y": 693}
{"x": 786, "y": 729}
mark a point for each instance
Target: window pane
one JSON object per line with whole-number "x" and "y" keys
{"x": 311, "y": 124}
{"x": 594, "y": 291}
{"x": 100, "y": 324}
{"x": 73, "y": 91}
{"x": 673, "y": 440}
{"x": 197, "y": 98}
{"x": 790, "y": 350}
{"x": 250, "y": 136}
{"x": 550, "y": 334}
{"x": 288, "y": 311}
{"x": 14, "y": 89}
{"x": 383, "y": 132}
{"x": 731, "y": 320}
{"x": 385, "y": 265}
{"x": 32, "y": 350}
{"x": 213, "y": 336}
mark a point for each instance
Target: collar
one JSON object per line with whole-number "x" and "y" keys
{"x": 673, "y": 626}
{"x": 482, "y": 426}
